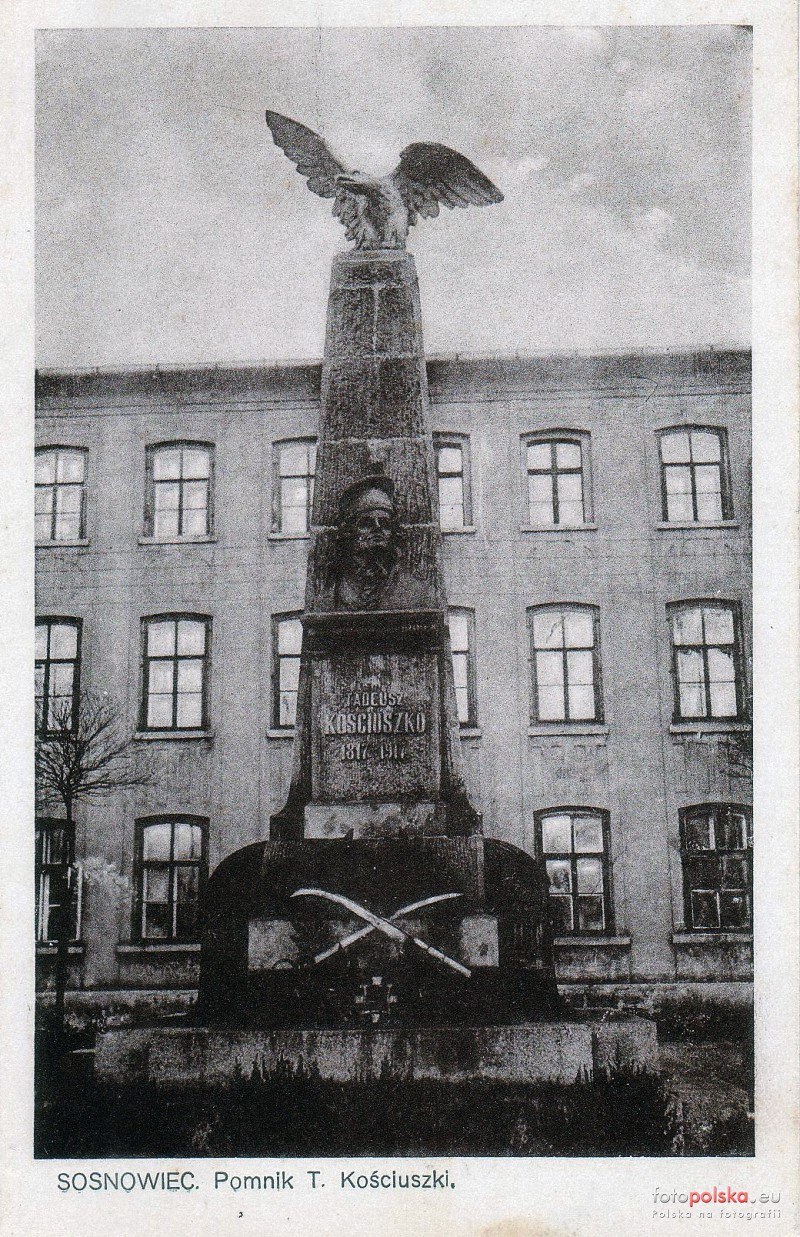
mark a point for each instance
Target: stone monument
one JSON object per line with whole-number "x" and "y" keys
{"x": 376, "y": 927}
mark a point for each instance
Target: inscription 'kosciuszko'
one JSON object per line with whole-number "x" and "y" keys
{"x": 390, "y": 718}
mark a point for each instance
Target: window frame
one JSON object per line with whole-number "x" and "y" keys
{"x": 597, "y": 667}
{"x": 151, "y": 450}
{"x": 685, "y": 815}
{"x": 42, "y": 729}
{"x": 141, "y": 864}
{"x": 275, "y": 667}
{"x": 552, "y": 437}
{"x": 471, "y": 722}
{"x": 45, "y": 825}
{"x": 726, "y": 497}
{"x": 443, "y": 439}
{"x": 609, "y": 924}
{"x": 43, "y": 449}
{"x": 740, "y": 679}
{"x": 277, "y": 529}
{"x": 145, "y": 658}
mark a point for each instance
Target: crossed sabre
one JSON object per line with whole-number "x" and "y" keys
{"x": 386, "y": 926}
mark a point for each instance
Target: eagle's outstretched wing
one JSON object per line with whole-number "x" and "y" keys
{"x": 429, "y": 173}
{"x": 308, "y": 152}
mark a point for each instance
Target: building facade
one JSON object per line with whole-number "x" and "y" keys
{"x": 596, "y": 520}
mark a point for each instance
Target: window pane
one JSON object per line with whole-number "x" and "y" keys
{"x": 167, "y": 464}
{"x": 43, "y": 500}
{"x": 68, "y": 499}
{"x": 450, "y": 518}
{"x": 191, "y": 636}
{"x": 675, "y": 448}
{"x": 67, "y": 528}
{"x": 43, "y": 527}
{"x": 188, "y": 840}
{"x": 686, "y": 627}
{"x": 709, "y": 507}
{"x": 588, "y": 834}
{"x": 570, "y": 514}
{"x": 548, "y": 632}
{"x": 155, "y": 841}
{"x": 540, "y": 488}
{"x": 707, "y": 479}
{"x": 460, "y": 670}
{"x": 190, "y": 710}
{"x": 459, "y": 631}
{"x": 160, "y": 677}
{"x": 288, "y": 708}
{"x": 161, "y": 639}
{"x": 156, "y": 924}
{"x": 556, "y": 835}
{"x": 560, "y": 913}
{"x": 734, "y": 871}
{"x": 723, "y": 700}
{"x": 159, "y": 711}
{"x": 570, "y": 488}
{"x": 549, "y": 669}
{"x": 578, "y": 629}
{"x": 581, "y": 703}
{"x": 45, "y": 471}
{"x": 705, "y": 446}
{"x": 451, "y": 492}
{"x": 732, "y": 831}
{"x": 559, "y": 875}
{"x": 294, "y": 520}
{"x": 167, "y": 496}
{"x": 289, "y": 674}
{"x": 590, "y": 875}
{"x": 541, "y": 515}
{"x": 705, "y": 911}
{"x": 186, "y": 900}
{"x": 734, "y": 910}
{"x": 679, "y": 508}
{"x": 449, "y": 459}
{"x": 718, "y": 625}
{"x": 293, "y": 461}
{"x": 195, "y": 495}
{"x": 195, "y": 523}
{"x": 63, "y": 640}
{"x": 70, "y": 466}
{"x": 692, "y": 702}
{"x": 462, "y": 704}
{"x": 41, "y": 641}
{"x": 580, "y": 668}
{"x": 195, "y": 462}
{"x": 156, "y": 884}
{"x": 678, "y": 480}
{"x": 568, "y": 455}
{"x": 190, "y": 676}
{"x": 591, "y": 917}
{"x": 165, "y": 524}
{"x": 290, "y": 636}
{"x": 539, "y": 455}
{"x": 551, "y": 704}
{"x": 699, "y": 834}
{"x": 720, "y": 666}
{"x": 61, "y": 679}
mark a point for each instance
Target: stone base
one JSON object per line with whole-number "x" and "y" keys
{"x": 376, "y": 820}
{"x": 539, "y": 1052}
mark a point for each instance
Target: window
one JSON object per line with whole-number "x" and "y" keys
{"x": 556, "y": 491}
{"x": 287, "y": 639}
{"x": 573, "y": 844}
{"x": 716, "y": 850}
{"x": 175, "y": 674}
{"x": 60, "y": 494}
{"x": 462, "y": 646}
{"x": 58, "y": 642}
{"x": 452, "y": 471}
{"x": 172, "y": 866}
{"x": 56, "y": 878}
{"x": 565, "y": 659}
{"x": 179, "y": 490}
{"x": 694, "y": 486}
{"x": 294, "y": 466}
{"x": 706, "y": 661}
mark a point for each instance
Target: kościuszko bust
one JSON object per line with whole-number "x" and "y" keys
{"x": 368, "y": 573}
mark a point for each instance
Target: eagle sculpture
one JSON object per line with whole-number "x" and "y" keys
{"x": 378, "y": 211}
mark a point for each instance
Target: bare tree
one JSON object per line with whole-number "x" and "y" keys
{"x": 84, "y": 753}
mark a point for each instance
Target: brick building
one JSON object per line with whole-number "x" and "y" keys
{"x": 596, "y": 514}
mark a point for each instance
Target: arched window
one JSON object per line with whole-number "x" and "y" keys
{"x": 179, "y": 499}
{"x": 171, "y": 870}
{"x": 453, "y": 481}
{"x": 694, "y": 475}
{"x": 287, "y": 639}
{"x": 175, "y": 671}
{"x": 565, "y": 663}
{"x": 60, "y": 494}
{"x": 462, "y": 647}
{"x": 58, "y": 661}
{"x": 557, "y": 489}
{"x": 574, "y": 847}
{"x": 294, "y": 464}
{"x": 707, "y": 662}
{"x": 717, "y": 857}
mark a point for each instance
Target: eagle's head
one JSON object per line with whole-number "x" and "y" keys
{"x": 356, "y": 182}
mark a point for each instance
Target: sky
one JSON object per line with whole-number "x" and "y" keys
{"x": 170, "y": 229}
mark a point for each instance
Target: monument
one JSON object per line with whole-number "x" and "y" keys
{"x": 376, "y": 928}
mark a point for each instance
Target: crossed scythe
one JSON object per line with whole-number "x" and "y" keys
{"x": 387, "y": 926}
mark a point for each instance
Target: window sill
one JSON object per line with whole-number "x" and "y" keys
{"x": 79, "y": 544}
{"x": 558, "y": 528}
{"x": 568, "y": 728}
{"x": 281, "y": 733}
{"x": 288, "y": 536}
{"x": 158, "y": 947}
{"x": 171, "y": 736}
{"x": 458, "y": 532}
{"x": 710, "y": 727}
{"x": 205, "y": 540}
{"x": 470, "y": 732}
{"x": 709, "y": 935}
{"x": 666, "y": 526}
{"x": 49, "y": 949}
{"x": 584, "y": 939}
